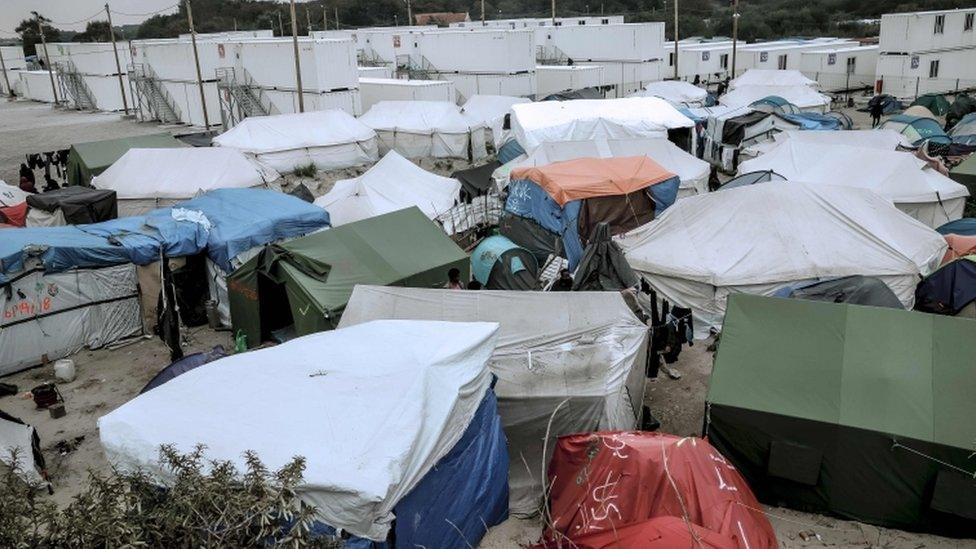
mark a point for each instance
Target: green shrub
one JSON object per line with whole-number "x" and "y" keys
{"x": 308, "y": 170}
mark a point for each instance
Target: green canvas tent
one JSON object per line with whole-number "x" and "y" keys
{"x": 864, "y": 412}
{"x": 307, "y": 281}
{"x": 965, "y": 174}
{"x": 937, "y": 103}
{"x": 86, "y": 160}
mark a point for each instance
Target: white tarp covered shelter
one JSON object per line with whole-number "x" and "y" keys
{"x": 580, "y": 119}
{"x": 11, "y": 195}
{"x": 915, "y": 189}
{"x": 491, "y": 110}
{"x": 804, "y": 97}
{"x": 692, "y": 171}
{"x": 330, "y": 139}
{"x": 144, "y": 179}
{"x": 371, "y": 408}
{"x": 769, "y": 77}
{"x": 887, "y": 140}
{"x": 676, "y": 92}
{"x": 587, "y": 347}
{"x": 17, "y": 441}
{"x": 426, "y": 129}
{"x": 59, "y": 314}
{"x": 393, "y": 183}
{"x": 759, "y": 238}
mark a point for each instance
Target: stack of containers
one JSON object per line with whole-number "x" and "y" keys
{"x": 94, "y": 62}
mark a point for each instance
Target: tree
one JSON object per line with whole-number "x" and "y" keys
{"x": 95, "y": 31}
{"x": 27, "y": 29}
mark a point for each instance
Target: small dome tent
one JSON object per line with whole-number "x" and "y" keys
{"x": 498, "y": 264}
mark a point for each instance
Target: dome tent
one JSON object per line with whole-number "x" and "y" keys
{"x": 760, "y": 238}
{"x": 935, "y": 103}
{"x": 916, "y": 129}
{"x": 499, "y": 264}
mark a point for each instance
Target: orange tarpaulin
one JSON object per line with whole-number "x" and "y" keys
{"x": 959, "y": 246}
{"x": 14, "y": 215}
{"x": 594, "y": 177}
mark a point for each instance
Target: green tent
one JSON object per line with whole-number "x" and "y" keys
{"x": 965, "y": 174}
{"x": 864, "y": 412}
{"x": 935, "y": 102}
{"x": 86, "y": 160}
{"x": 306, "y": 282}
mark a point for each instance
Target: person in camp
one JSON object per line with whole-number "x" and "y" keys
{"x": 454, "y": 279}
{"x": 564, "y": 283}
{"x": 876, "y": 110}
{"x": 474, "y": 285}
{"x": 27, "y": 185}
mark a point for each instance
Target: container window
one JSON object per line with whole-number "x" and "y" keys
{"x": 968, "y": 24}
{"x": 851, "y": 62}
{"x": 939, "y": 24}
{"x": 724, "y": 60}
{"x": 781, "y": 62}
{"x": 607, "y": 21}
{"x": 671, "y": 59}
{"x": 582, "y": 21}
{"x": 934, "y": 69}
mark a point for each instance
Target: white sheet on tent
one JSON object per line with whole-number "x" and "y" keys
{"x": 585, "y": 346}
{"x": 919, "y": 191}
{"x": 581, "y": 119}
{"x": 804, "y": 97}
{"x": 676, "y": 92}
{"x": 148, "y": 178}
{"x": 491, "y": 110}
{"x": 10, "y": 195}
{"x": 41, "y": 218}
{"x": 886, "y": 140}
{"x": 330, "y": 139}
{"x": 426, "y": 129}
{"x": 773, "y": 77}
{"x": 371, "y": 408}
{"x": 17, "y": 438}
{"x": 692, "y": 171}
{"x": 393, "y": 183}
{"x": 757, "y": 239}
{"x": 62, "y": 313}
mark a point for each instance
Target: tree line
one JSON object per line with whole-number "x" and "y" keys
{"x": 759, "y": 19}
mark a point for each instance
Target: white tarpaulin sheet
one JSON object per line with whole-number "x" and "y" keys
{"x": 692, "y": 171}
{"x": 582, "y": 119}
{"x": 426, "y": 129}
{"x": 887, "y": 140}
{"x": 587, "y": 347}
{"x": 393, "y": 183}
{"x": 58, "y": 314}
{"x": 144, "y": 179}
{"x": 17, "y": 439}
{"x": 491, "y": 110}
{"x": 10, "y": 195}
{"x": 770, "y": 77}
{"x": 921, "y": 192}
{"x": 330, "y": 139}
{"x": 371, "y": 408}
{"x": 804, "y": 97}
{"x": 757, "y": 239}
{"x": 676, "y": 92}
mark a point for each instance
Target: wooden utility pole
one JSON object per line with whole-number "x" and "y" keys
{"x": 325, "y": 17}
{"x": 50, "y": 72}
{"x": 337, "y": 17}
{"x": 281, "y": 28}
{"x": 6, "y": 79}
{"x": 298, "y": 63}
{"x": 196, "y": 60}
{"x": 409, "y": 14}
{"x": 482, "y": 13}
{"x": 735, "y": 32}
{"x": 118, "y": 64}
{"x": 675, "y": 39}
{"x": 554, "y": 13}
{"x": 308, "y": 21}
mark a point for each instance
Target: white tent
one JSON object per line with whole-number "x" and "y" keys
{"x": 692, "y": 171}
{"x": 491, "y": 110}
{"x": 804, "y": 97}
{"x": 331, "y": 139}
{"x": 393, "y": 183}
{"x": 10, "y": 195}
{"x": 144, "y": 179}
{"x": 759, "y": 238}
{"x": 426, "y": 129}
{"x": 915, "y": 189}
{"x": 887, "y": 140}
{"x": 371, "y": 408}
{"x": 587, "y": 347}
{"x": 772, "y": 77}
{"x": 580, "y": 119}
{"x": 16, "y": 440}
{"x": 676, "y": 92}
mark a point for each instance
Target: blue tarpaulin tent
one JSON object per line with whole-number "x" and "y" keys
{"x": 814, "y": 121}
{"x": 964, "y": 227}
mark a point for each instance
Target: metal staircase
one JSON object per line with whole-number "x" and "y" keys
{"x": 240, "y": 97}
{"x": 73, "y": 86}
{"x": 367, "y": 57}
{"x": 550, "y": 55}
{"x": 415, "y": 69}
{"x": 153, "y": 102}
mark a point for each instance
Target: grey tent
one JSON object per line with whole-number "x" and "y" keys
{"x": 603, "y": 266}
{"x": 856, "y": 290}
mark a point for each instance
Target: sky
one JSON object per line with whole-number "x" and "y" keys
{"x": 61, "y": 12}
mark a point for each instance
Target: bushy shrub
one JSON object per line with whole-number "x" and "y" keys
{"x": 308, "y": 170}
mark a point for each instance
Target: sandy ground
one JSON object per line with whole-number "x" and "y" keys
{"x": 108, "y": 379}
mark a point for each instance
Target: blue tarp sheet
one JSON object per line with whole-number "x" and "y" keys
{"x": 965, "y": 227}
{"x": 240, "y": 218}
{"x": 509, "y": 151}
{"x": 813, "y": 121}
{"x": 463, "y": 494}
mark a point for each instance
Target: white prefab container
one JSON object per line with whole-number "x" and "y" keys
{"x": 186, "y": 97}
{"x": 928, "y": 30}
{"x": 13, "y": 59}
{"x": 513, "y": 85}
{"x": 378, "y": 44}
{"x": 231, "y": 35}
{"x": 474, "y": 51}
{"x": 105, "y": 91}
{"x": 910, "y": 75}
{"x": 375, "y": 72}
{"x": 840, "y": 69}
{"x": 531, "y": 22}
{"x": 559, "y": 78}
{"x": 780, "y": 55}
{"x": 173, "y": 59}
{"x": 327, "y": 64}
{"x": 374, "y": 90}
{"x": 286, "y": 101}
{"x": 625, "y": 42}
{"x": 707, "y": 62}
{"x": 35, "y": 85}
{"x": 94, "y": 58}
{"x": 626, "y": 78}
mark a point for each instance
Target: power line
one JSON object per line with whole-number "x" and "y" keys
{"x": 90, "y": 17}
{"x": 145, "y": 14}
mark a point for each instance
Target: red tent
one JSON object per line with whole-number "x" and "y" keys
{"x": 14, "y": 215}
{"x": 616, "y": 481}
